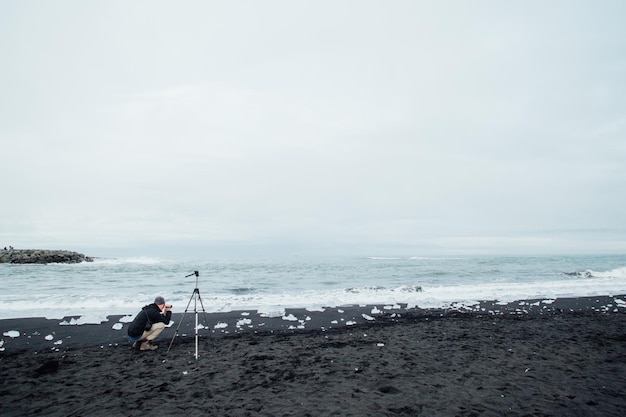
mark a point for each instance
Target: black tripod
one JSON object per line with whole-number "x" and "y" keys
{"x": 195, "y": 296}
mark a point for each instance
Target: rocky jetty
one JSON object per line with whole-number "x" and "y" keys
{"x": 41, "y": 256}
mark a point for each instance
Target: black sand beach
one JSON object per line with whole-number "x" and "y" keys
{"x": 563, "y": 357}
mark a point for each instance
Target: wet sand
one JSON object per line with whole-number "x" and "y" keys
{"x": 530, "y": 358}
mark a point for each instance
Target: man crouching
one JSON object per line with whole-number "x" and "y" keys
{"x": 149, "y": 323}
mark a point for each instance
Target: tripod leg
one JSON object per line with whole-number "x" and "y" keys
{"x": 181, "y": 321}
{"x": 206, "y": 320}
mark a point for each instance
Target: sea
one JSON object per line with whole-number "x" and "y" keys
{"x": 91, "y": 291}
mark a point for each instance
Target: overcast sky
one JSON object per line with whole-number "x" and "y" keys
{"x": 365, "y": 127}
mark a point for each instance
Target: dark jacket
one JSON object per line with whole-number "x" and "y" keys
{"x": 138, "y": 325}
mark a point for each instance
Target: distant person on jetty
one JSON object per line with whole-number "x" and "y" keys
{"x": 149, "y": 323}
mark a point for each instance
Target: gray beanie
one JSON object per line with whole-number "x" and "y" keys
{"x": 159, "y": 300}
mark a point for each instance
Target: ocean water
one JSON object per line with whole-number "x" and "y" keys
{"x": 110, "y": 286}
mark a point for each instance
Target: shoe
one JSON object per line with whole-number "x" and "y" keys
{"x": 148, "y": 346}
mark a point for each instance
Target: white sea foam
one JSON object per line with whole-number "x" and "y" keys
{"x": 614, "y": 273}
{"x": 125, "y": 261}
